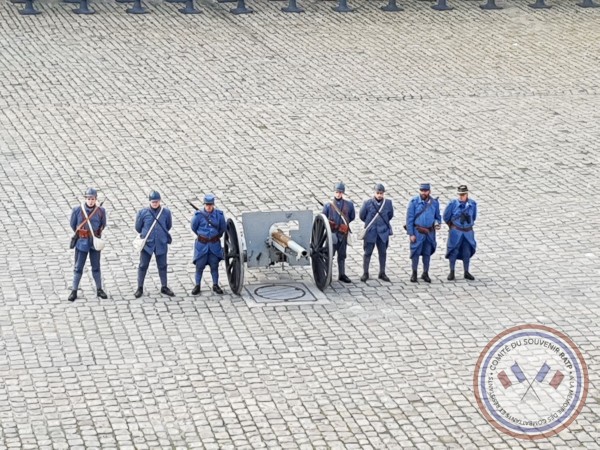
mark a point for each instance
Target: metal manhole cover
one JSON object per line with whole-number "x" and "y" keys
{"x": 282, "y": 294}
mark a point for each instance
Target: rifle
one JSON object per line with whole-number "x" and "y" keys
{"x": 193, "y": 206}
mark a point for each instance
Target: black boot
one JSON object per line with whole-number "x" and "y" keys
{"x": 383, "y": 277}
{"x": 165, "y": 290}
{"x": 451, "y": 276}
{"x": 196, "y": 290}
{"x": 468, "y": 276}
{"x": 425, "y": 277}
{"x": 344, "y": 279}
{"x": 73, "y": 295}
{"x": 139, "y": 292}
{"x": 100, "y": 293}
{"x": 413, "y": 277}
{"x": 366, "y": 263}
{"x": 217, "y": 289}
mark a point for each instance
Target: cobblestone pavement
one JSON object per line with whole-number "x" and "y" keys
{"x": 267, "y": 111}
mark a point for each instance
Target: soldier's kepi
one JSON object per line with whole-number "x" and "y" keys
{"x": 87, "y": 219}
{"x": 153, "y": 224}
{"x": 340, "y": 213}
{"x": 209, "y": 225}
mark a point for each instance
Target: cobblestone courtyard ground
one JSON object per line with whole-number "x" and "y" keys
{"x": 268, "y": 111}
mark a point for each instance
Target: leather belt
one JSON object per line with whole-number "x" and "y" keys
{"x": 206, "y": 240}
{"x": 465, "y": 230}
{"x": 423, "y": 230}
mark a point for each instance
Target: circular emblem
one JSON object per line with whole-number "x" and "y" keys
{"x": 531, "y": 381}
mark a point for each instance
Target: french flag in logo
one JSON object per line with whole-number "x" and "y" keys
{"x": 518, "y": 374}
{"x": 557, "y": 379}
{"x": 505, "y": 379}
{"x": 542, "y": 373}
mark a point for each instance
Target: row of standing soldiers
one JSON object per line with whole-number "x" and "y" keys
{"x": 423, "y": 219}
{"x": 154, "y": 223}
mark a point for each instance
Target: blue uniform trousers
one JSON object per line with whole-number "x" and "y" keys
{"x": 213, "y": 262}
{"x": 381, "y": 250}
{"x": 161, "y": 263}
{"x": 340, "y": 248}
{"x": 426, "y": 252}
{"x": 461, "y": 251}
{"x": 80, "y": 258}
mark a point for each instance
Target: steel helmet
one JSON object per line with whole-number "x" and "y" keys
{"x": 209, "y": 199}
{"x": 91, "y": 192}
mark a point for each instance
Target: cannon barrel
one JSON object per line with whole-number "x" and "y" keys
{"x": 286, "y": 241}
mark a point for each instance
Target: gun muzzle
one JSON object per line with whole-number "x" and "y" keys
{"x": 285, "y": 241}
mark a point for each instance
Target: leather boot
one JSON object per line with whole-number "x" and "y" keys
{"x": 73, "y": 295}
{"x": 165, "y": 290}
{"x": 413, "y": 277}
{"x": 468, "y": 276}
{"x": 139, "y": 292}
{"x": 383, "y": 277}
{"x": 451, "y": 276}
{"x": 425, "y": 277}
{"x": 100, "y": 293}
{"x": 217, "y": 289}
{"x": 196, "y": 290}
{"x": 366, "y": 263}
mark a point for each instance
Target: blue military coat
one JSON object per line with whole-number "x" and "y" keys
{"x": 335, "y": 220}
{"x": 460, "y": 217}
{"x": 427, "y": 218}
{"x": 381, "y": 227}
{"x": 208, "y": 226}
{"x": 98, "y": 224}
{"x": 159, "y": 239}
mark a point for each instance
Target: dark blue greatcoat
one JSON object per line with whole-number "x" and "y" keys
{"x": 98, "y": 224}
{"x": 427, "y": 219}
{"x": 460, "y": 217}
{"x": 208, "y": 226}
{"x": 335, "y": 220}
{"x": 159, "y": 239}
{"x": 381, "y": 227}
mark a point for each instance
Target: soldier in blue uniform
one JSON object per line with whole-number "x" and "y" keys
{"x": 460, "y": 215}
{"x": 376, "y": 213}
{"x": 209, "y": 225}
{"x": 154, "y": 223}
{"x": 422, "y": 220}
{"x": 340, "y": 213}
{"x": 97, "y": 217}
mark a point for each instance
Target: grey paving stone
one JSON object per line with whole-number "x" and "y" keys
{"x": 268, "y": 111}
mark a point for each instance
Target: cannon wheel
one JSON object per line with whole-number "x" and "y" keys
{"x": 321, "y": 251}
{"x": 234, "y": 258}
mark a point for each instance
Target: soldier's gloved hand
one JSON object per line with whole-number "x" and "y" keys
{"x": 413, "y": 238}
{"x": 438, "y": 226}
